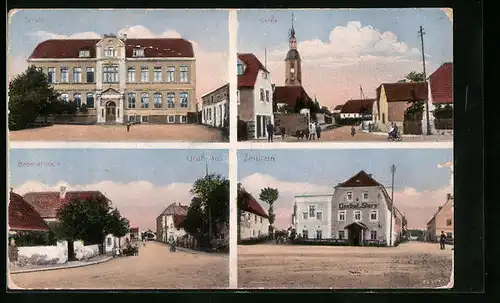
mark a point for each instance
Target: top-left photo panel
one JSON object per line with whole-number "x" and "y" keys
{"x": 118, "y": 75}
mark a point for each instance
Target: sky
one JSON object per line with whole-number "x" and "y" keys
{"x": 207, "y": 30}
{"x": 344, "y": 48}
{"x": 420, "y": 187}
{"x": 141, "y": 183}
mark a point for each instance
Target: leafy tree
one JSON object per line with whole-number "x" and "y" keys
{"x": 193, "y": 222}
{"x": 270, "y": 195}
{"x": 284, "y": 109}
{"x": 299, "y": 104}
{"x": 117, "y": 225}
{"x": 404, "y": 224}
{"x": 30, "y": 95}
{"x": 443, "y": 112}
{"x": 325, "y": 110}
{"x": 415, "y": 77}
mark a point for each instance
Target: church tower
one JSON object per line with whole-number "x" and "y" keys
{"x": 293, "y": 72}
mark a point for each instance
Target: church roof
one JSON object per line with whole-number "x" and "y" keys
{"x": 289, "y": 94}
{"x": 293, "y": 54}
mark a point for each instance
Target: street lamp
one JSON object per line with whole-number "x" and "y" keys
{"x": 393, "y": 171}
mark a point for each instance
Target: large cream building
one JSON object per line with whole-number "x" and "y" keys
{"x": 120, "y": 79}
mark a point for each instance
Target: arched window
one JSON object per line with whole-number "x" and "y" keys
{"x": 157, "y": 100}
{"x": 184, "y": 99}
{"x": 78, "y": 99}
{"x": 241, "y": 68}
{"x": 170, "y": 100}
{"x": 144, "y": 100}
{"x": 90, "y": 100}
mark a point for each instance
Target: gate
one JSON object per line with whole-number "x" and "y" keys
{"x": 412, "y": 124}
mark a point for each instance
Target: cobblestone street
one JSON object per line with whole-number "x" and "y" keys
{"x": 154, "y": 268}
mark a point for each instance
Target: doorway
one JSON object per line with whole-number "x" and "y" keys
{"x": 110, "y": 112}
{"x": 355, "y": 233}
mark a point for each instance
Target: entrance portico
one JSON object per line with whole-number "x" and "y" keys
{"x": 355, "y": 233}
{"x": 110, "y": 106}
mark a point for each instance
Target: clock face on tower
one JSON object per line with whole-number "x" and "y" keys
{"x": 292, "y": 70}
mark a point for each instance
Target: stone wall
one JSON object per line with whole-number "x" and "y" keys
{"x": 292, "y": 122}
{"x": 69, "y": 119}
{"x": 58, "y": 254}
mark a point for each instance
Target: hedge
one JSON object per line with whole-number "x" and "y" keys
{"x": 254, "y": 240}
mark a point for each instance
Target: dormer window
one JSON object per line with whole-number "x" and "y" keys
{"x": 110, "y": 52}
{"x": 84, "y": 53}
{"x": 138, "y": 52}
{"x": 241, "y": 68}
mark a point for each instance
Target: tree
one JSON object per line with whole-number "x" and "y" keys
{"x": 415, "y": 77}
{"x": 90, "y": 220}
{"x": 117, "y": 225}
{"x": 299, "y": 104}
{"x": 83, "y": 109}
{"x": 193, "y": 222}
{"x": 30, "y": 95}
{"x": 416, "y": 107}
{"x": 284, "y": 108}
{"x": 270, "y": 195}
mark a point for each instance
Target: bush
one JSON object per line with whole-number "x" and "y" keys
{"x": 326, "y": 242}
{"x": 83, "y": 109}
{"x": 34, "y": 238}
{"x": 254, "y": 240}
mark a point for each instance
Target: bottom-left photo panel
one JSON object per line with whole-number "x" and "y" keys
{"x": 118, "y": 219}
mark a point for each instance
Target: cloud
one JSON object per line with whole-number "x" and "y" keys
{"x": 417, "y": 206}
{"x": 354, "y": 55}
{"x": 211, "y": 67}
{"x": 139, "y": 201}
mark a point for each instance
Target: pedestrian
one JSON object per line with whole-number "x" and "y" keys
{"x": 318, "y": 130}
{"x": 307, "y": 133}
{"x": 312, "y": 130}
{"x": 128, "y": 126}
{"x": 353, "y": 131}
{"x": 283, "y": 132}
{"x": 270, "y": 131}
{"x": 442, "y": 240}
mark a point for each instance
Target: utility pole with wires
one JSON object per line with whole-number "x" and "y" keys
{"x": 393, "y": 171}
{"x": 209, "y": 210}
{"x": 421, "y": 33}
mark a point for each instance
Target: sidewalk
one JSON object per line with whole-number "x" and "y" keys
{"x": 72, "y": 264}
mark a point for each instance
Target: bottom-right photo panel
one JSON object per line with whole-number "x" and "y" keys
{"x": 345, "y": 218}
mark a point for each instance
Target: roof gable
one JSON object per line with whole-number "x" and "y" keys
{"x": 289, "y": 95}
{"x": 404, "y": 91}
{"x": 253, "y": 66}
{"x": 175, "y": 209}
{"x": 252, "y": 206}
{"x": 22, "y": 216}
{"x": 441, "y": 84}
{"x": 358, "y": 106}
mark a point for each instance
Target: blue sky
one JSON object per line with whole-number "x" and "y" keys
{"x": 88, "y": 166}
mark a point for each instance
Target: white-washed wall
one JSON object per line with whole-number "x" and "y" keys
{"x": 57, "y": 254}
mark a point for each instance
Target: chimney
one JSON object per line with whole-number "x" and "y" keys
{"x": 62, "y": 192}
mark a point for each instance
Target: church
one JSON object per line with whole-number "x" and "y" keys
{"x": 293, "y": 90}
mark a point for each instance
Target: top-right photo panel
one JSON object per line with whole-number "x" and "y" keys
{"x": 345, "y": 75}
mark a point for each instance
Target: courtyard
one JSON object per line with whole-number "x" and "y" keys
{"x": 138, "y": 132}
{"x": 154, "y": 268}
{"x": 410, "y": 265}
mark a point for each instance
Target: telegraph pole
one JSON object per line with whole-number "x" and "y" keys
{"x": 393, "y": 171}
{"x": 421, "y": 33}
{"x": 209, "y": 212}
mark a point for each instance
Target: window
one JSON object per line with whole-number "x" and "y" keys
{"x": 77, "y": 74}
{"x": 319, "y": 215}
{"x": 260, "y": 219}
{"x": 131, "y": 74}
{"x": 374, "y": 215}
{"x": 342, "y": 214}
{"x": 258, "y": 233}
{"x": 109, "y": 240}
{"x": 77, "y": 97}
{"x": 51, "y": 74}
{"x": 349, "y": 196}
{"x": 264, "y": 74}
{"x": 373, "y": 235}
{"x": 241, "y": 68}
{"x": 131, "y": 100}
{"x": 157, "y": 74}
{"x": 90, "y": 100}
{"x": 144, "y": 74}
{"x": 110, "y": 52}
{"x": 319, "y": 234}
{"x": 64, "y": 75}
{"x": 305, "y": 215}
{"x": 132, "y": 119}
{"x": 267, "y": 95}
{"x": 305, "y": 234}
{"x": 449, "y": 235}
{"x": 170, "y": 100}
{"x": 262, "y": 94}
{"x": 184, "y": 119}
{"x": 184, "y": 74}
{"x": 144, "y": 100}
{"x": 64, "y": 97}
{"x": 170, "y": 73}
{"x": 312, "y": 211}
{"x": 184, "y": 99}
{"x": 238, "y": 97}
{"x": 110, "y": 74}
{"x": 365, "y": 196}
{"x": 357, "y": 215}
{"x": 90, "y": 75}
{"x": 341, "y": 234}
{"x": 253, "y": 232}
{"x": 448, "y": 222}
{"x": 138, "y": 52}
{"x": 171, "y": 119}
{"x": 255, "y": 217}
{"x": 84, "y": 53}
{"x": 144, "y": 119}
{"x": 157, "y": 100}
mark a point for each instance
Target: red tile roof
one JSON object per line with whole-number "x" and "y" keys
{"x": 338, "y": 107}
{"x": 134, "y": 230}
{"x": 358, "y": 106}
{"x": 153, "y": 48}
{"x": 48, "y": 203}
{"x": 253, "y": 206}
{"x": 404, "y": 91}
{"x": 289, "y": 94}
{"x": 253, "y": 66}
{"x": 441, "y": 82}
{"x": 23, "y": 216}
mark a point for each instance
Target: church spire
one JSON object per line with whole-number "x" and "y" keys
{"x": 292, "y": 31}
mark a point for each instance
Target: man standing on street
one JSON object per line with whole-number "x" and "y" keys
{"x": 128, "y": 126}
{"x": 442, "y": 239}
{"x": 270, "y": 131}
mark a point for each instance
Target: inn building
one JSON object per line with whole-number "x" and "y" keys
{"x": 123, "y": 80}
{"x": 358, "y": 211}
{"x": 254, "y": 220}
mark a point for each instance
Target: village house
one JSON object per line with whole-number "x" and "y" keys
{"x": 215, "y": 107}
{"x": 357, "y": 109}
{"x": 123, "y": 80}
{"x": 358, "y": 211}
{"x": 442, "y": 221}
{"x": 22, "y": 216}
{"x": 393, "y": 99}
{"x": 440, "y": 94}
{"x": 254, "y": 220}
{"x": 170, "y": 223}
{"x": 254, "y": 95}
{"x": 135, "y": 233}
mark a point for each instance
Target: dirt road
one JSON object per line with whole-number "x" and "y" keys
{"x": 139, "y": 132}
{"x": 410, "y": 265}
{"x": 155, "y": 268}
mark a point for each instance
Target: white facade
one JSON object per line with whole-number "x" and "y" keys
{"x": 349, "y": 115}
{"x": 313, "y": 216}
{"x": 429, "y": 104}
{"x": 253, "y": 225}
{"x": 263, "y": 105}
{"x": 170, "y": 232}
{"x": 57, "y": 254}
{"x": 213, "y": 114}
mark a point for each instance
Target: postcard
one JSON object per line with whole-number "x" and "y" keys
{"x": 118, "y": 219}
